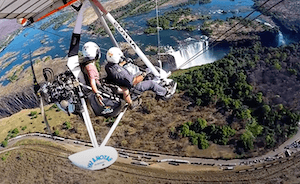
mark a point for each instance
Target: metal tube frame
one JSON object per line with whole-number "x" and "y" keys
{"x": 112, "y": 129}
{"x": 103, "y": 22}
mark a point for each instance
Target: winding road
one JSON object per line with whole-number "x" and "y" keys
{"x": 146, "y": 158}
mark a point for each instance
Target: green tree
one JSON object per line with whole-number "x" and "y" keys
{"x": 67, "y": 124}
{"x": 244, "y": 114}
{"x": 4, "y": 143}
{"x": 266, "y": 109}
{"x": 277, "y": 65}
{"x": 256, "y": 58}
{"x": 202, "y": 141}
{"x": 56, "y": 133}
{"x": 236, "y": 104}
{"x": 15, "y": 131}
{"x": 150, "y": 30}
{"x": 98, "y": 66}
{"x": 194, "y": 140}
{"x": 33, "y": 113}
{"x": 190, "y": 28}
{"x": 259, "y": 96}
{"x": 185, "y": 129}
{"x": 247, "y": 138}
{"x": 283, "y": 56}
{"x": 227, "y": 131}
{"x": 279, "y": 107}
{"x": 254, "y": 127}
{"x": 292, "y": 71}
{"x": 270, "y": 141}
{"x": 200, "y": 124}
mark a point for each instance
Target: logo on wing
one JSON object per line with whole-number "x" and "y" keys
{"x": 99, "y": 160}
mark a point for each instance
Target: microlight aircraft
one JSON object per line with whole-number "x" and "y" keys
{"x": 69, "y": 90}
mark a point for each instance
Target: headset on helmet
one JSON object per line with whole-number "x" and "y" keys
{"x": 114, "y": 55}
{"x": 91, "y": 51}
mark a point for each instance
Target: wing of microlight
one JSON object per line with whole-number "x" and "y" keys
{"x": 30, "y": 11}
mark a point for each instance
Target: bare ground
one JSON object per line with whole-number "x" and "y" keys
{"x": 49, "y": 164}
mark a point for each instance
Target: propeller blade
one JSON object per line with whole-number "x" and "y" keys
{"x": 36, "y": 88}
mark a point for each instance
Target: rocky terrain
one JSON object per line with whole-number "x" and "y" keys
{"x": 238, "y": 32}
{"x": 286, "y": 13}
{"x": 19, "y": 94}
{"x": 17, "y": 101}
{"x": 8, "y": 26}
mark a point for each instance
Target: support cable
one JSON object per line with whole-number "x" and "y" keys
{"x": 157, "y": 27}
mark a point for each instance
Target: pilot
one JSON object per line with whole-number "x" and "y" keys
{"x": 119, "y": 75}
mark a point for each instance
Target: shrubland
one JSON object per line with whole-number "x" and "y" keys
{"x": 253, "y": 119}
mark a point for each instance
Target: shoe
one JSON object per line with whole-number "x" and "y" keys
{"x": 171, "y": 89}
{"x": 135, "y": 103}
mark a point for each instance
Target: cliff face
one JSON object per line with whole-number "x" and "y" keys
{"x": 8, "y": 26}
{"x": 286, "y": 13}
{"x": 239, "y": 32}
{"x": 16, "y": 102}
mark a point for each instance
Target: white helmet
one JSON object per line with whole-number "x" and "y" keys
{"x": 114, "y": 55}
{"x": 91, "y": 51}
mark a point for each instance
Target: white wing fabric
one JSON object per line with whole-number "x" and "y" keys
{"x": 29, "y": 11}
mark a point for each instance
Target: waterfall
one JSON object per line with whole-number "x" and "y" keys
{"x": 281, "y": 40}
{"x": 188, "y": 50}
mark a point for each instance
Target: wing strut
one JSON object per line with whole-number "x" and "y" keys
{"x": 106, "y": 28}
{"x": 73, "y": 64}
{"x": 112, "y": 129}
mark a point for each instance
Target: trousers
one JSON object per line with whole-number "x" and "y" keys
{"x": 151, "y": 85}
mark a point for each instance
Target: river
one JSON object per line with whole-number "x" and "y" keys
{"x": 32, "y": 38}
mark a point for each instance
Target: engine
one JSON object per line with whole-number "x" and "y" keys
{"x": 62, "y": 90}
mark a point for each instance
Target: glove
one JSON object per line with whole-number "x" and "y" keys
{"x": 129, "y": 60}
{"x": 99, "y": 98}
{"x": 148, "y": 70}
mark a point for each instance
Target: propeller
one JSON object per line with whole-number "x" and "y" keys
{"x": 37, "y": 92}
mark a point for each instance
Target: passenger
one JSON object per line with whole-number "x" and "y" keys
{"x": 120, "y": 76}
{"x": 91, "y": 53}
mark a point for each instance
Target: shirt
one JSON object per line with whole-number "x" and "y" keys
{"x": 119, "y": 75}
{"x": 92, "y": 72}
